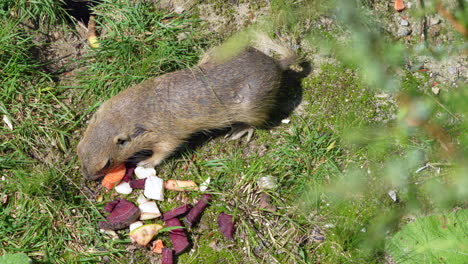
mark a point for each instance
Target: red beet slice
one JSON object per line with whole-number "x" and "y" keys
{"x": 121, "y": 216}
{"x": 129, "y": 172}
{"x": 179, "y": 240}
{"x": 195, "y": 213}
{"x": 138, "y": 184}
{"x": 111, "y": 205}
{"x": 226, "y": 226}
{"x": 176, "y": 212}
{"x": 167, "y": 256}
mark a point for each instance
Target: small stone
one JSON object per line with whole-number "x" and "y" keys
{"x": 403, "y": 32}
{"x": 267, "y": 182}
{"x": 182, "y": 36}
{"x": 434, "y": 21}
{"x": 393, "y": 195}
{"x": 404, "y": 23}
{"x": 286, "y": 121}
{"x": 453, "y": 70}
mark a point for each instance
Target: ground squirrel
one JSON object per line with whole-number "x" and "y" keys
{"x": 160, "y": 113}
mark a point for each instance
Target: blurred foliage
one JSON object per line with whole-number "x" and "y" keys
{"x": 422, "y": 155}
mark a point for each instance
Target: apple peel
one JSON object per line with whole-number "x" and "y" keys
{"x": 144, "y": 234}
{"x": 181, "y": 186}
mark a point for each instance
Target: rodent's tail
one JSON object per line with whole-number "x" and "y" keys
{"x": 267, "y": 45}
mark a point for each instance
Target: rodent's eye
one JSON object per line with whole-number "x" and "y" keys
{"x": 121, "y": 142}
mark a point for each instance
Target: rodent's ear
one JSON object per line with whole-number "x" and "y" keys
{"x": 121, "y": 139}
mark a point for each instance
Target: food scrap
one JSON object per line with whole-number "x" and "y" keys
{"x": 138, "y": 184}
{"x": 157, "y": 246}
{"x": 124, "y": 188}
{"x": 114, "y": 177}
{"x": 226, "y": 225}
{"x": 122, "y": 214}
{"x": 142, "y": 172}
{"x": 149, "y": 210}
{"x": 144, "y": 234}
{"x": 167, "y": 256}
{"x": 154, "y": 188}
{"x": 180, "y": 186}
{"x": 195, "y": 213}
{"x": 181, "y": 210}
{"x": 178, "y": 237}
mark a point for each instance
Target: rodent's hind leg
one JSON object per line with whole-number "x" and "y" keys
{"x": 239, "y": 130}
{"x": 161, "y": 150}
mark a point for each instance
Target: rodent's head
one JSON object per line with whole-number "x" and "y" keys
{"x": 106, "y": 143}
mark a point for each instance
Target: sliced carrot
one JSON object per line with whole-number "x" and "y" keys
{"x": 180, "y": 186}
{"x": 158, "y": 246}
{"x": 114, "y": 177}
{"x": 399, "y": 5}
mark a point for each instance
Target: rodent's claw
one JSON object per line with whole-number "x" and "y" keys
{"x": 146, "y": 163}
{"x": 238, "y": 132}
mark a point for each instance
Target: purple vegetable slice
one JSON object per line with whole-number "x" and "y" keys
{"x": 176, "y": 212}
{"x": 178, "y": 237}
{"x": 111, "y": 205}
{"x": 167, "y": 256}
{"x": 195, "y": 213}
{"x": 138, "y": 184}
{"x": 226, "y": 226}
{"x": 129, "y": 173}
{"x": 122, "y": 215}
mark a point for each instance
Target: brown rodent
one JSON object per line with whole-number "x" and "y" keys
{"x": 160, "y": 113}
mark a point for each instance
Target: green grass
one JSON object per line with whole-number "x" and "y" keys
{"x": 344, "y": 149}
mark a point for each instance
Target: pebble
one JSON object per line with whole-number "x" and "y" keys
{"x": 453, "y": 70}
{"x": 404, "y": 23}
{"x": 403, "y": 32}
{"x": 434, "y": 20}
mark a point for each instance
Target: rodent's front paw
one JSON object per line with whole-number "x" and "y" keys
{"x": 146, "y": 163}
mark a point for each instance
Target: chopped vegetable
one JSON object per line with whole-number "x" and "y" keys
{"x": 114, "y": 177}
{"x": 204, "y": 185}
{"x": 122, "y": 215}
{"x": 167, "y": 256}
{"x": 226, "y": 226}
{"x": 138, "y": 184}
{"x": 181, "y": 210}
{"x": 180, "y": 186}
{"x": 145, "y": 233}
{"x": 195, "y": 213}
{"x": 129, "y": 173}
{"x": 149, "y": 210}
{"x": 154, "y": 188}
{"x": 179, "y": 240}
{"x": 141, "y": 199}
{"x": 135, "y": 225}
{"x": 157, "y": 246}
{"x": 124, "y": 188}
{"x": 142, "y": 172}
{"x": 399, "y": 5}
{"x": 110, "y": 206}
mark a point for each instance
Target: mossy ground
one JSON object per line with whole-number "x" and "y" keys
{"x": 330, "y": 205}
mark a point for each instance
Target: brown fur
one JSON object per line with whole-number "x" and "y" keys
{"x": 160, "y": 113}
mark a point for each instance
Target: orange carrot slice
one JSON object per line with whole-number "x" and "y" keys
{"x": 180, "y": 186}
{"x": 114, "y": 177}
{"x": 399, "y": 5}
{"x": 158, "y": 246}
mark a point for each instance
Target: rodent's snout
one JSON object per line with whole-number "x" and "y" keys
{"x": 87, "y": 175}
